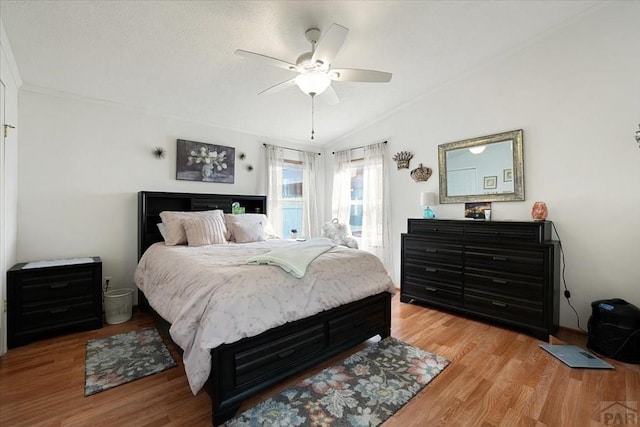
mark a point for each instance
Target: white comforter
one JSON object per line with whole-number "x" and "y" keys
{"x": 211, "y": 296}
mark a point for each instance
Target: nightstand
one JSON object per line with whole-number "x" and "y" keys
{"x": 47, "y": 298}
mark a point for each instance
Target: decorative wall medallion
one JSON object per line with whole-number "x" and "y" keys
{"x": 402, "y": 159}
{"x": 421, "y": 173}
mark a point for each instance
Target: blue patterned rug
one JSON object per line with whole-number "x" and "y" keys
{"x": 123, "y": 358}
{"x": 363, "y": 390}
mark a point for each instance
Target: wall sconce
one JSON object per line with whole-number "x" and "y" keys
{"x": 638, "y": 136}
{"x": 159, "y": 153}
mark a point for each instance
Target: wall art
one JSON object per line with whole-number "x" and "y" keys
{"x": 199, "y": 161}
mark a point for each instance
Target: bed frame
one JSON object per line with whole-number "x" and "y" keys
{"x": 246, "y": 367}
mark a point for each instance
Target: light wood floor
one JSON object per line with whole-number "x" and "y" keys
{"x": 497, "y": 377}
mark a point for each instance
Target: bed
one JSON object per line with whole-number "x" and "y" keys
{"x": 244, "y": 362}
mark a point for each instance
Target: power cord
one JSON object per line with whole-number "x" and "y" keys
{"x": 567, "y": 293}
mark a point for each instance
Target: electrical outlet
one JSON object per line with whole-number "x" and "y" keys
{"x": 107, "y": 278}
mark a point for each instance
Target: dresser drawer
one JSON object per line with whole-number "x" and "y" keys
{"x": 508, "y": 232}
{"x": 59, "y": 315}
{"x": 428, "y": 252}
{"x": 509, "y": 309}
{"x": 257, "y": 362}
{"x": 523, "y": 262}
{"x": 64, "y": 284}
{"x": 435, "y": 229}
{"x": 426, "y": 290}
{"x": 506, "y": 285}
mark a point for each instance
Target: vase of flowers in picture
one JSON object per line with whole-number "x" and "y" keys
{"x": 211, "y": 161}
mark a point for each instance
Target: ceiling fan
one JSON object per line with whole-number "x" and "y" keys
{"x": 314, "y": 68}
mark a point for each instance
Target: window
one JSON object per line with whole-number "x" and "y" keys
{"x": 355, "y": 203}
{"x": 293, "y": 186}
{"x": 291, "y": 202}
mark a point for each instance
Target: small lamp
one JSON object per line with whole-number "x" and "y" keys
{"x": 426, "y": 201}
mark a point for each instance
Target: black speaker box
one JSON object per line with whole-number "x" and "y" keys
{"x": 614, "y": 330}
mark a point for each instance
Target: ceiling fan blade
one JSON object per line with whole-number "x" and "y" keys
{"x": 278, "y": 87}
{"x": 330, "y": 96}
{"x": 355, "y": 75}
{"x": 275, "y": 62}
{"x": 329, "y": 44}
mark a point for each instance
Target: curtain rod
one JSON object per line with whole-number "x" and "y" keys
{"x": 355, "y": 148}
{"x": 293, "y": 149}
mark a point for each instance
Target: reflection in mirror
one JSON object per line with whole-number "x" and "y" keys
{"x": 487, "y": 169}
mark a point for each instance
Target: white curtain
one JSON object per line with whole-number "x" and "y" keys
{"x": 311, "y": 193}
{"x": 275, "y": 163}
{"x": 341, "y": 195}
{"x": 375, "y": 204}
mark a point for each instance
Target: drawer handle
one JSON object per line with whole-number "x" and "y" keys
{"x": 58, "y": 285}
{"x": 500, "y": 281}
{"x": 499, "y": 304}
{"x": 59, "y": 310}
{"x": 499, "y": 258}
{"x": 430, "y": 289}
{"x": 431, "y": 251}
{"x": 286, "y": 353}
{"x": 431, "y": 270}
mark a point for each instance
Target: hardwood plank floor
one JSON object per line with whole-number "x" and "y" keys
{"x": 498, "y": 377}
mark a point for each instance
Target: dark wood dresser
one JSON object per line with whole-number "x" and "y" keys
{"x": 52, "y": 299}
{"x": 502, "y": 271}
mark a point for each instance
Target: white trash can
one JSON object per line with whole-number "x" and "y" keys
{"x": 117, "y": 305}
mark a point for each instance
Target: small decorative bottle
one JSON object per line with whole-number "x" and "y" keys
{"x": 294, "y": 233}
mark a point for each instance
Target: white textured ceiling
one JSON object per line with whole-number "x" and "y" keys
{"x": 176, "y": 57}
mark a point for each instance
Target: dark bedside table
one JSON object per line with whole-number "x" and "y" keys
{"x": 47, "y": 298}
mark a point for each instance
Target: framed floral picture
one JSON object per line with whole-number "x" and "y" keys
{"x": 199, "y": 161}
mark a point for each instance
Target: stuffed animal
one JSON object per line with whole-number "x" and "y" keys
{"x": 338, "y": 233}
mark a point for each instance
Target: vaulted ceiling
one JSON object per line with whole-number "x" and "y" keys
{"x": 176, "y": 58}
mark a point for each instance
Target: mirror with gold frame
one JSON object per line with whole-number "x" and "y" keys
{"x": 484, "y": 169}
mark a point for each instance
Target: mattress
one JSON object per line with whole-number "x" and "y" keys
{"x": 212, "y": 296}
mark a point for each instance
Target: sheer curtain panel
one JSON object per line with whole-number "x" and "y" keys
{"x": 375, "y": 204}
{"x": 275, "y": 163}
{"x": 311, "y": 221}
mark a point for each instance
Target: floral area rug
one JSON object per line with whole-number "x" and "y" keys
{"x": 123, "y": 358}
{"x": 363, "y": 390}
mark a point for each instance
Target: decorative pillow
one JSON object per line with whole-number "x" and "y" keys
{"x": 338, "y": 234}
{"x": 162, "y": 230}
{"x": 250, "y": 218}
{"x": 173, "y": 224}
{"x": 205, "y": 230}
{"x": 247, "y": 232}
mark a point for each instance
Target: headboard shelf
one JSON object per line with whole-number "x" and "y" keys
{"x": 151, "y": 203}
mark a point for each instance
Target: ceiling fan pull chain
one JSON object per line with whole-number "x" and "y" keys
{"x": 312, "y": 114}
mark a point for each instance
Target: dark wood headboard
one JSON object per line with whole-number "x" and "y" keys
{"x": 151, "y": 203}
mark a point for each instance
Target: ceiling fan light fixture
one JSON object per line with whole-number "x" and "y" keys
{"x": 313, "y": 82}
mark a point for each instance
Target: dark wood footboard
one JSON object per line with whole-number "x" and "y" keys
{"x": 246, "y": 367}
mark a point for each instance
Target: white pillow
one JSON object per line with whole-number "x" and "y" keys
{"x": 174, "y": 228}
{"x": 162, "y": 230}
{"x": 251, "y": 218}
{"x": 247, "y": 232}
{"x": 205, "y": 230}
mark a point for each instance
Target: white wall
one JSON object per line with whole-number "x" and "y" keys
{"x": 576, "y": 95}
{"x": 82, "y": 164}
{"x": 10, "y": 81}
